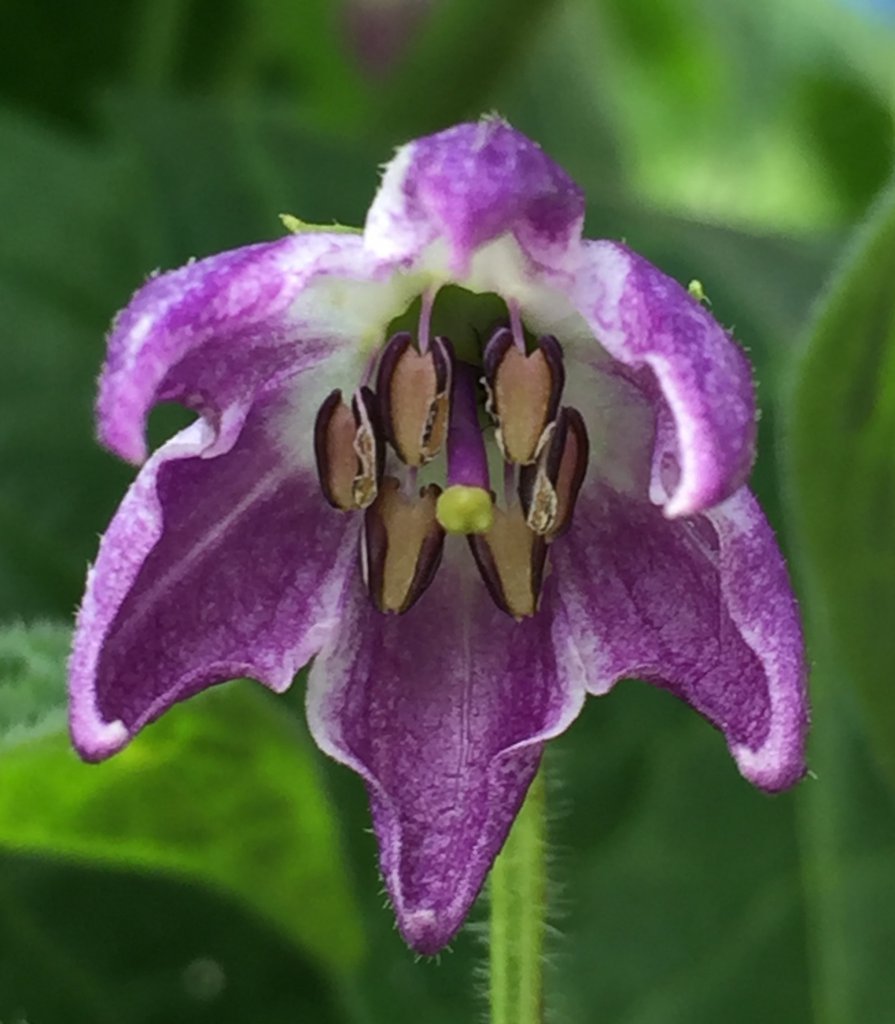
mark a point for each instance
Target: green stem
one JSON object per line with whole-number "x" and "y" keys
{"x": 518, "y": 891}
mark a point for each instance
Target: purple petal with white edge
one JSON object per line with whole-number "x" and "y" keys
{"x": 469, "y": 185}
{"x": 443, "y": 712}
{"x": 700, "y": 379}
{"x": 216, "y": 331}
{"x": 701, "y": 606}
{"x": 212, "y": 568}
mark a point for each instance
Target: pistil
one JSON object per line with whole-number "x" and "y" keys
{"x": 467, "y": 505}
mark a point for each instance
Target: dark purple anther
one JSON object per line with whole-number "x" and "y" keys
{"x": 523, "y": 393}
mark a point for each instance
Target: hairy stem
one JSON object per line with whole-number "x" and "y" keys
{"x": 518, "y": 891}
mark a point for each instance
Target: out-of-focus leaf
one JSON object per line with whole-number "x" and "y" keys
{"x": 847, "y": 841}
{"x": 853, "y": 132}
{"x": 32, "y": 703}
{"x": 452, "y": 67}
{"x": 52, "y": 62}
{"x": 224, "y": 791}
{"x": 666, "y": 849}
{"x": 696, "y": 129}
{"x": 841, "y": 469}
{"x": 65, "y": 264}
{"x": 216, "y": 175}
{"x": 82, "y": 945}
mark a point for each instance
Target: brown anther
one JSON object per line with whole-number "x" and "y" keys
{"x": 549, "y": 489}
{"x": 511, "y": 560}
{"x": 523, "y": 393}
{"x": 402, "y": 546}
{"x": 414, "y": 395}
{"x": 349, "y": 449}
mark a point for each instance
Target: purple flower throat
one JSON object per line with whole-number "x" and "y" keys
{"x": 434, "y": 413}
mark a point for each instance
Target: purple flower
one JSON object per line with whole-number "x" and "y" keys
{"x": 465, "y": 535}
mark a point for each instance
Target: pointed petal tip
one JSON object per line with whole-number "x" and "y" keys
{"x": 776, "y": 770}
{"x": 425, "y": 931}
{"x": 470, "y": 184}
{"x": 127, "y": 444}
{"x": 95, "y": 740}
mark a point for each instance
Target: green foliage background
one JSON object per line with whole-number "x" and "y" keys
{"x": 220, "y": 870}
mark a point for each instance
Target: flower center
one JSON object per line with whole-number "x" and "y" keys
{"x": 436, "y": 415}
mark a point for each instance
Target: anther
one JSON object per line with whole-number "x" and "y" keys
{"x": 549, "y": 489}
{"x": 414, "y": 396}
{"x": 523, "y": 393}
{"x": 402, "y": 546}
{"x": 510, "y": 558}
{"x": 349, "y": 449}
{"x": 466, "y": 506}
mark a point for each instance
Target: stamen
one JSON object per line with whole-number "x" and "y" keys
{"x": 523, "y": 393}
{"x": 548, "y": 490}
{"x": 511, "y": 558}
{"x": 349, "y": 449}
{"x": 414, "y": 390}
{"x": 516, "y": 325}
{"x": 426, "y": 303}
{"x": 467, "y": 504}
{"x": 402, "y": 546}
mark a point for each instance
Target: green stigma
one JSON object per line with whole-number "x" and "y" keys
{"x": 463, "y": 509}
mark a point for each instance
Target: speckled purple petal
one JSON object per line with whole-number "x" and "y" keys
{"x": 700, "y": 379}
{"x": 443, "y": 711}
{"x": 213, "y": 333}
{"x": 213, "y": 568}
{"x": 701, "y": 606}
{"x": 470, "y": 184}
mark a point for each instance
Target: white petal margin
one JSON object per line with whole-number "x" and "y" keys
{"x": 761, "y": 603}
{"x": 646, "y": 320}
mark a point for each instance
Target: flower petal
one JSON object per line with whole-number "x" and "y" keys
{"x": 700, "y": 379}
{"x": 469, "y": 185}
{"x": 212, "y": 568}
{"x": 216, "y": 331}
{"x": 700, "y": 606}
{"x": 443, "y": 712}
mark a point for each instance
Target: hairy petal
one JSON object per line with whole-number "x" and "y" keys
{"x": 700, "y": 606}
{"x": 469, "y": 185}
{"x": 443, "y": 712}
{"x": 218, "y": 331}
{"x": 698, "y": 378}
{"x": 213, "y": 567}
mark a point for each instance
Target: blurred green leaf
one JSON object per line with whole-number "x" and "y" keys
{"x": 32, "y": 703}
{"x": 65, "y": 265}
{"x": 52, "y": 62}
{"x": 841, "y": 469}
{"x": 83, "y": 945}
{"x": 666, "y": 849}
{"x": 847, "y": 837}
{"x": 852, "y": 130}
{"x": 214, "y": 175}
{"x": 452, "y": 67}
{"x": 224, "y": 791}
